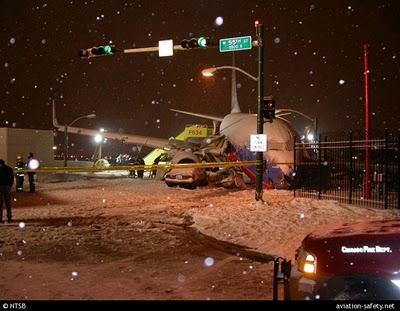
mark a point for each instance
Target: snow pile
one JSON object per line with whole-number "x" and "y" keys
{"x": 278, "y": 226}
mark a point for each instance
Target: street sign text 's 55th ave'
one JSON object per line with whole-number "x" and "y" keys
{"x": 235, "y": 44}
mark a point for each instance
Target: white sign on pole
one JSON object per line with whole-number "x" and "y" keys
{"x": 165, "y": 48}
{"x": 258, "y": 142}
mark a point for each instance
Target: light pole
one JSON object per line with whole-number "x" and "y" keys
{"x": 208, "y": 72}
{"x": 260, "y": 120}
{"x": 99, "y": 139}
{"x": 89, "y": 116}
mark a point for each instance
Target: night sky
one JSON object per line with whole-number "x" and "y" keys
{"x": 313, "y": 62}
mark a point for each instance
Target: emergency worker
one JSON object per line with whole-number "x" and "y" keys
{"x": 6, "y": 182}
{"x": 19, "y": 176}
{"x": 140, "y": 172}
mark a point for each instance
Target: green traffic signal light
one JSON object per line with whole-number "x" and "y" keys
{"x": 98, "y": 51}
{"x": 107, "y": 49}
{"x": 202, "y": 42}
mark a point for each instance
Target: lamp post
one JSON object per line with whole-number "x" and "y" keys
{"x": 260, "y": 120}
{"x": 89, "y": 116}
{"x": 99, "y": 139}
{"x": 208, "y": 72}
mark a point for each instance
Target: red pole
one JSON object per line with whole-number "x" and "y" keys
{"x": 367, "y": 183}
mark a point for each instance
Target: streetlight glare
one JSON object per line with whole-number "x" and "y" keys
{"x": 208, "y": 72}
{"x": 98, "y": 138}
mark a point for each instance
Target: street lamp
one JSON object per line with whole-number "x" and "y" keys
{"x": 89, "y": 116}
{"x": 209, "y": 72}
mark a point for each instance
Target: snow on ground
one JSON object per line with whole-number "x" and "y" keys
{"x": 278, "y": 226}
{"x": 108, "y": 237}
{"x": 274, "y": 228}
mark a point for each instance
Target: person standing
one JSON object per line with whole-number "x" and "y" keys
{"x": 6, "y": 182}
{"x": 19, "y": 176}
{"x": 31, "y": 175}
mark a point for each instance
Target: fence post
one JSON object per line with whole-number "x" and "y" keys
{"x": 385, "y": 175}
{"x": 319, "y": 169}
{"x": 351, "y": 173}
{"x": 398, "y": 169}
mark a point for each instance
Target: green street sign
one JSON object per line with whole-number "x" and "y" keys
{"x": 235, "y": 44}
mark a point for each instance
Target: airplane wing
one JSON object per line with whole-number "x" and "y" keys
{"x": 204, "y": 116}
{"x": 126, "y": 138}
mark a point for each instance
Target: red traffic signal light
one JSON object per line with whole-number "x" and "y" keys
{"x": 268, "y": 110}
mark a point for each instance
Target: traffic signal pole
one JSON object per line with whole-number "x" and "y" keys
{"x": 150, "y": 49}
{"x": 106, "y": 50}
{"x": 260, "y": 121}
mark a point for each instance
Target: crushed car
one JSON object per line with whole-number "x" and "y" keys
{"x": 186, "y": 177}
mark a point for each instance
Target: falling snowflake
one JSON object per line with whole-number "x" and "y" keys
{"x": 74, "y": 275}
{"x": 341, "y": 81}
{"x": 209, "y": 261}
{"x": 43, "y": 41}
{"x": 277, "y": 40}
{"x": 181, "y": 278}
{"x": 21, "y": 225}
{"x": 219, "y": 21}
{"x": 12, "y": 40}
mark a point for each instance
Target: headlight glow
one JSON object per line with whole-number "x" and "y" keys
{"x": 309, "y": 263}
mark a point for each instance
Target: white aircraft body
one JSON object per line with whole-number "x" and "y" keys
{"x": 237, "y": 128}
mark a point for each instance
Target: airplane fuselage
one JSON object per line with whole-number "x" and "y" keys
{"x": 238, "y": 127}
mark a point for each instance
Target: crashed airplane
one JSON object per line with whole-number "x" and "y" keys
{"x": 234, "y": 131}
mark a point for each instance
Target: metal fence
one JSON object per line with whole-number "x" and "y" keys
{"x": 339, "y": 170}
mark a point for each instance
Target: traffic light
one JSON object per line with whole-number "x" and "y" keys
{"x": 268, "y": 109}
{"x": 98, "y": 51}
{"x": 201, "y": 42}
